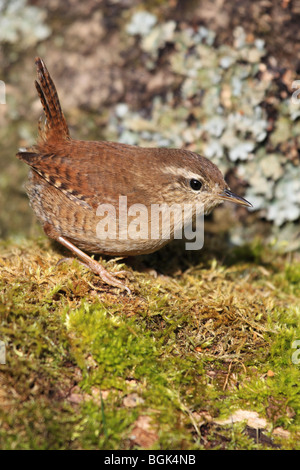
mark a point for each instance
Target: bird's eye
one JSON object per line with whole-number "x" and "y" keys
{"x": 196, "y": 185}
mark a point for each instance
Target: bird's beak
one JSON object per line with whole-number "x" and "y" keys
{"x": 227, "y": 195}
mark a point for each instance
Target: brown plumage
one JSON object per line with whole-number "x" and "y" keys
{"x": 70, "y": 178}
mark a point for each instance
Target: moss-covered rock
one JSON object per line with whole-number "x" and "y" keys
{"x": 90, "y": 367}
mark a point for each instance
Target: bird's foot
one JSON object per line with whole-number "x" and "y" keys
{"x": 105, "y": 275}
{"x": 94, "y": 266}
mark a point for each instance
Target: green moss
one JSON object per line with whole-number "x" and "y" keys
{"x": 88, "y": 367}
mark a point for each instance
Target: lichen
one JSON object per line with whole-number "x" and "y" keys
{"x": 21, "y": 24}
{"x": 224, "y": 91}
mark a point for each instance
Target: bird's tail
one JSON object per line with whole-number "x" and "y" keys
{"x": 54, "y": 129}
{"x": 55, "y": 126}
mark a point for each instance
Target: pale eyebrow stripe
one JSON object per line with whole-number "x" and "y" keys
{"x": 175, "y": 170}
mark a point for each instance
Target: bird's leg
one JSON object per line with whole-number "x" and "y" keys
{"x": 93, "y": 265}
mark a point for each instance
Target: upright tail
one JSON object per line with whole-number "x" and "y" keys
{"x": 55, "y": 126}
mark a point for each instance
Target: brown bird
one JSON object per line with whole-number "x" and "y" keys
{"x": 75, "y": 186}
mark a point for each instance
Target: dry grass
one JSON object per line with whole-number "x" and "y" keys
{"x": 158, "y": 369}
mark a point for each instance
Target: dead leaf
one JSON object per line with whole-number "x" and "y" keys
{"x": 280, "y": 432}
{"x": 143, "y": 433}
{"x": 132, "y": 400}
{"x": 251, "y": 417}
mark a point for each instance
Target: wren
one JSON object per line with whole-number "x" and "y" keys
{"x": 70, "y": 179}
